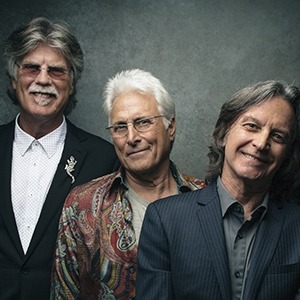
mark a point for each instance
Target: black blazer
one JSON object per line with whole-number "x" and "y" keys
{"x": 28, "y": 276}
{"x": 182, "y": 251}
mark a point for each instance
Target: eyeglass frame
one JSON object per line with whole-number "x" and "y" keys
{"x": 134, "y": 124}
{"x": 49, "y": 69}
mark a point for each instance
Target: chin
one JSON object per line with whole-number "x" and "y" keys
{"x": 139, "y": 170}
{"x": 253, "y": 176}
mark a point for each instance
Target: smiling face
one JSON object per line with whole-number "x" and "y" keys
{"x": 141, "y": 152}
{"x": 256, "y": 143}
{"x": 41, "y": 97}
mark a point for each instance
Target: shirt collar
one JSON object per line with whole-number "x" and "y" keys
{"x": 227, "y": 200}
{"x": 182, "y": 184}
{"x": 48, "y": 142}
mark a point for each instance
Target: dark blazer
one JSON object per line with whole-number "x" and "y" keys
{"x": 28, "y": 276}
{"x": 182, "y": 251}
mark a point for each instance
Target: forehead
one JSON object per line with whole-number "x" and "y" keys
{"x": 45, "y": 54}
{"x": 133, "y": 104}
{"x": 275, "y": 111}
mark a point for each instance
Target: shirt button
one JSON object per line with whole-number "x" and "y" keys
{"x": 240, "y": 236}
{"x": 237, "y": 274}
{"x": 131, "y": 270}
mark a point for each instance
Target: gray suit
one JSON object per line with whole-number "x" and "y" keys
{"x": 28, "y": 276}
{"x": 182, "y": 251}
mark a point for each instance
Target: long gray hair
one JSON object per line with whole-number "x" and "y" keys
{"x": 41, "y": 31}
{"x": 237, "y": 105}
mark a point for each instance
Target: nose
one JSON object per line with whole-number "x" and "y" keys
{"x": 261, "y": 141}
{"x": 43, "y": 77}
{"x": 132, "y": 135}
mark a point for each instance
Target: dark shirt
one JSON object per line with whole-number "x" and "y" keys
{"x": 239, "y": 236}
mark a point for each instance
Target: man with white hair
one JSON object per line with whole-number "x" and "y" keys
{"x": 99, "y": 229}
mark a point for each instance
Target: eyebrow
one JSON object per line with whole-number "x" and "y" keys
{"x": 133, "y": 120}
{"x": 250, "y": 118}
{"x": 59, "y": 65}
{"x": 253, "y": 119}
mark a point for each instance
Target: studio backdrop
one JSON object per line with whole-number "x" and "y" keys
{"x": 202, "y": 50}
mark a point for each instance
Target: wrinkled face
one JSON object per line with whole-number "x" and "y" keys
{"x": 257, "y": 141}
{"x": 141, "y": 152}
{"x": 43, "y": 96}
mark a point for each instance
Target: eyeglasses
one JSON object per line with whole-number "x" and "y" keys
{"x": 141, "y": 125}
{"x": 33, "y": 70}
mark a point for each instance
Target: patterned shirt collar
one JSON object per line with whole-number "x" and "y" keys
{"x": 184, "y": 182}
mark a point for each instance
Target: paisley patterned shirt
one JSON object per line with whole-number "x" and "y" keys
{"x": 96, "y": 248}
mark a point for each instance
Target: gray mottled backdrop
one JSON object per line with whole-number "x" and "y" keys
{"x": 202, "y": 50}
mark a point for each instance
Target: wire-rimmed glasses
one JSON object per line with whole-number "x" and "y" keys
{"x": 140, "y": 124}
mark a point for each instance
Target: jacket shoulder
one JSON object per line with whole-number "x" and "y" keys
{"x": 86, "y": 136}
{"x": 7, "y": 127}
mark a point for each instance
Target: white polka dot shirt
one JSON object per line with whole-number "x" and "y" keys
{"x": 34, "y": 163}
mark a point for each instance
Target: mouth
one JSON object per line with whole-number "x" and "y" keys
{"x": 43, "y": 99}
{"x": 48, "y": 95}
{"x": 43, "y": 95}
{"x": 136, "y": 152}
{"x": 43, "y": 90}
{"x": 254, "y": 158}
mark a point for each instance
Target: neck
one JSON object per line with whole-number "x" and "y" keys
{"x": 153, "y": 188}
{"x": 248, "y": 195}
{"x": 38, "y": 128}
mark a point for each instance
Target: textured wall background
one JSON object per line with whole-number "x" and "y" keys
{"x": 202, "y": 50}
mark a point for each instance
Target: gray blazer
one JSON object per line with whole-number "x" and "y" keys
{"x": 182, "y": 251}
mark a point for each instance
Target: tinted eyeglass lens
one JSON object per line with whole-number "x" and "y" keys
{"x": 57, "y": 72}
{"x": 34, "y": 70}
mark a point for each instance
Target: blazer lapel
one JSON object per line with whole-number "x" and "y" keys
{"x": 210, "y": 218}
{"x": 263, "y": 250}
{"x": 6, "y": 211}
{"x": 61, "y": 184}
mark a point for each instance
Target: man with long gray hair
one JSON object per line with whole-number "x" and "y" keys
{"x": 43, "y": 154}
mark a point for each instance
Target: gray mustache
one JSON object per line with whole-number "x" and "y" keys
{"x": 43, "y": 89}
